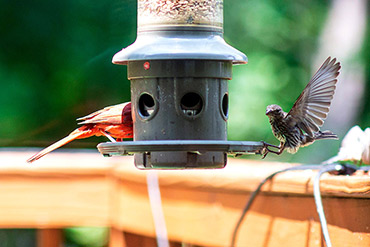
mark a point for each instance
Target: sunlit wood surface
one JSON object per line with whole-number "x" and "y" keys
{"x": 201, "y": 207}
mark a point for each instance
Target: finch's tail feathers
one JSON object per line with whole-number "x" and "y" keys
{"x": 325, "y": 135}
{"x": 77, "y": 134}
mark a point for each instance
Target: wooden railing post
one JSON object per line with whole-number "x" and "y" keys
{"x": 116, "y": 238}
{"x": 49, "y": 238}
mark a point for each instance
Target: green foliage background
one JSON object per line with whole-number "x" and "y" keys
{"x": 55, "y": 66}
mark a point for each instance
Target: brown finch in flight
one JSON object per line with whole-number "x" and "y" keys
{"x": 112, "y": 121}
{"x": 301, "y": 125}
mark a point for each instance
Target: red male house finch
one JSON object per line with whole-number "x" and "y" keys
{"x": 300, "y": 127}
{"x": 112, "y": 121}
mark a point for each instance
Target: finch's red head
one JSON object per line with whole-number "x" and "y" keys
{"x": 273, "y": 110}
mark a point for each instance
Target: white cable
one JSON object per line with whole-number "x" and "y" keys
{"x": 157, "y": 211}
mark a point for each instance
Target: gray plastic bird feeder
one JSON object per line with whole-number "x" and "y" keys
{"x": 179, "y": 67}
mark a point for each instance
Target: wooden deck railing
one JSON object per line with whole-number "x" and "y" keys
{"x": 201, "y": 207}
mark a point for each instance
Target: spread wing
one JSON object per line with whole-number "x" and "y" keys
{"x": 117, "y": 114}
{"x": 312, "y": 106}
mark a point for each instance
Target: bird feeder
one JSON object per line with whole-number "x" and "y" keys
{"x": 179, "y": 67}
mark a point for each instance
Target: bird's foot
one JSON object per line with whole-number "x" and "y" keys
{"x": 266, "y": 149}
{"x": 270, "y": 145}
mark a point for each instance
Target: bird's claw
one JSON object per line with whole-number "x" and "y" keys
{"x": 264, "y": 153}
{"x": 265, "y": 150}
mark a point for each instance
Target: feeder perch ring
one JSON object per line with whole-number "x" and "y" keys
{"x": 191, "y": 146}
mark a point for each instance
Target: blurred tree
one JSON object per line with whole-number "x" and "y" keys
{"x": 55, "y": 65}
{"x": 343, "y": 36}
{"x": 86, "y": 236}
{"x": 11, "y": 238}
{"x": 281, "y": 39}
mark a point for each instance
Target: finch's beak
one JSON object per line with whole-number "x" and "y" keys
{"x": 268, "y": 111}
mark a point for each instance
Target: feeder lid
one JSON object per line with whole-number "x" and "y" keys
{"x": 185, "y": 44}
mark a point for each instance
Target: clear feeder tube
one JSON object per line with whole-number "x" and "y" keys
{"x": 178, "y": 14}
{"x": 180, "y": 29}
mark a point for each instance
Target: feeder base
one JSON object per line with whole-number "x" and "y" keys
{"x": 180, "y": 154}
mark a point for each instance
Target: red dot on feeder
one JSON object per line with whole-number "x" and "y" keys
{"x": 146, "y": 65}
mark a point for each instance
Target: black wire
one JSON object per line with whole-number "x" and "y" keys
{"x": 254, "y": 194}
{"x": 341, "y": 169}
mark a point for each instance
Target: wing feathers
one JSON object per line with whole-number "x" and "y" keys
{"x": 326, "y": 85}
{"x": 312, "y": 106}
{"x": 319, "y": 114}
{"x": 324, "y": 67}
{"x": 108, "y": 115}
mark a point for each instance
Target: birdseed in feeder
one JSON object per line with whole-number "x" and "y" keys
{"x": 180, "y": 12}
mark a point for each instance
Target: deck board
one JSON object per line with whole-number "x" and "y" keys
{"x": 200, "y": 206}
